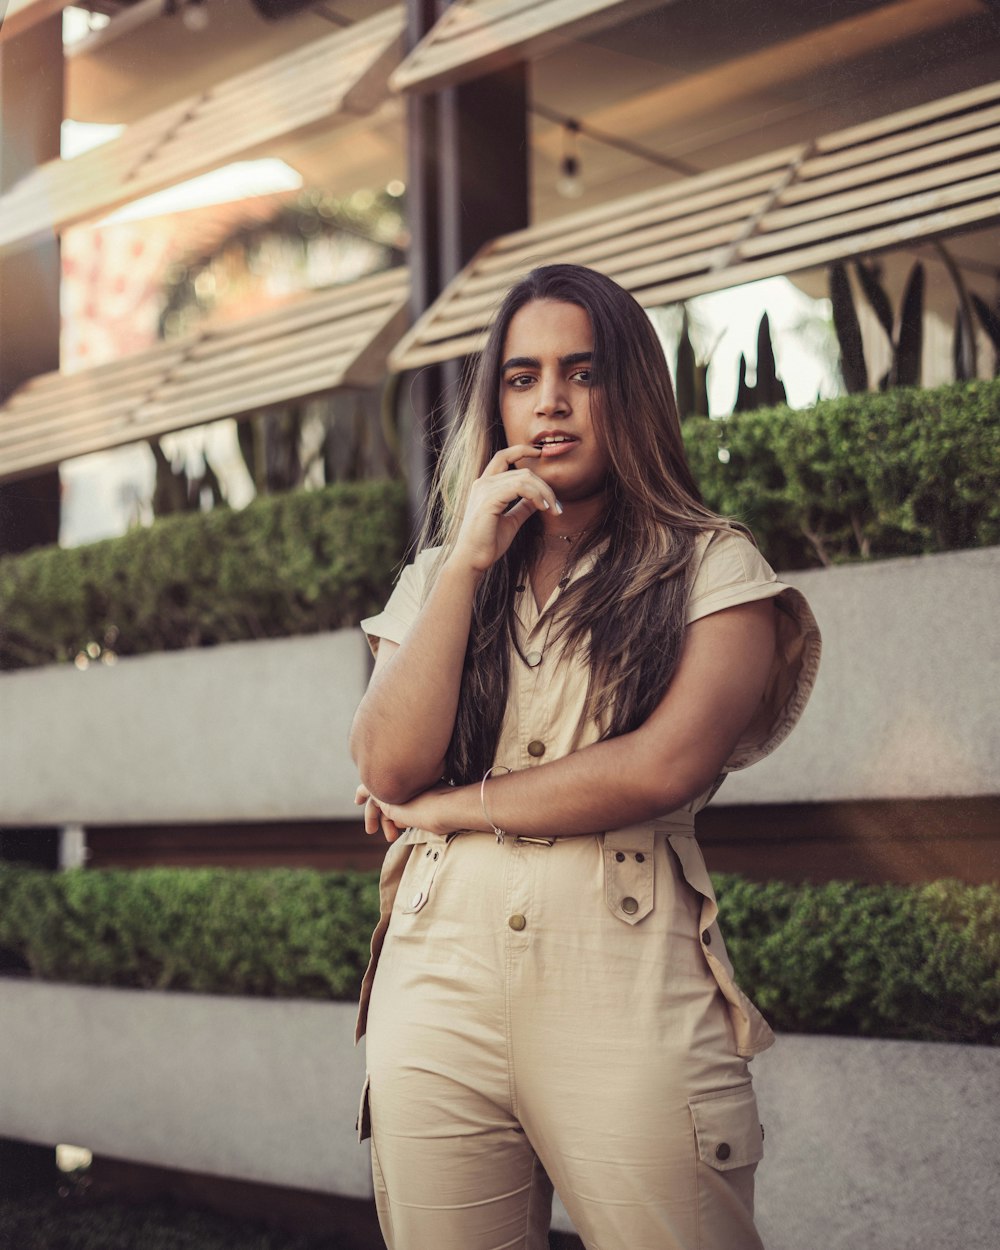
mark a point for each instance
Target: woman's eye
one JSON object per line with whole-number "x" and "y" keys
{"x": 583, "y": 375}
{"x": 520, "y": 380}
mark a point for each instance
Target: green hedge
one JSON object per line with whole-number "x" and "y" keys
{"x": 287, "y": 564}
{"x": 917, "y": 962}
{"x": 899, "y": 473}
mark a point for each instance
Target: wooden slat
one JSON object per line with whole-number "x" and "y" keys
{"x": 810, "y": 186}
{"x": 475, "y": 37}
{"x": 328, "y": 339}
{"x": 891, "y": 189}
{"x": 334, "y": 78}
{"x": 17, "y": 16}
{"x": 921, "y": 174}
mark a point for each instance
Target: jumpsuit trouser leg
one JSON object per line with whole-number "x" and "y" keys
{"x": 522, "y": 1033}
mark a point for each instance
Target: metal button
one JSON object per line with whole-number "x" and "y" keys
{"x": 536, "y": 748}
{"x": 519, "y": 589}
{"x": 629, "y": 906}
{"x": 640, "y": 858}
{"x": 563, "y": 583}
{"x": 706, "y": 937}
{"x": 620, "y": 856}
{"x": 517, "y": 922}
{"x": 722, "y": 1150}
{"x": 533, "y": 659}
{"x": 417, "y": 899}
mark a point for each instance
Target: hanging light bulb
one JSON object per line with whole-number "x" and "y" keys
{"x": 570, "y": 184}
{"x": 194, "y": 15}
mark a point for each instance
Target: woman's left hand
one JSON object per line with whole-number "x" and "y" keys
{"x": 435, "y": 810}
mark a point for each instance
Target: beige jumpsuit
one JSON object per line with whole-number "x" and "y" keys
{"x": 566, "y": 1014}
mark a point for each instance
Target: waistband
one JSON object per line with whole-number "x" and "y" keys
{"x": 674, "y": 824}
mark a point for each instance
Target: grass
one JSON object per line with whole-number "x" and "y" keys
{"x": 71, "y": 1222}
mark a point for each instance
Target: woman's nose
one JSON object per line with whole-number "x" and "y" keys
{"x": 551, "y": 398}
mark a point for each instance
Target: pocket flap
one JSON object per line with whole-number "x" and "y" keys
{"x": 426, "y": 853}
{"x": 629, "y": 873}
{"x": 727, "y": 1127}
{"x": 364, "y": 1122}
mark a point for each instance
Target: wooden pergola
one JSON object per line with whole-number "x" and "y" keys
{"x": 921, "y": 174}
{"x": 476, "y": 37}
{"x": 328, "y": 339}
{"x": 333, "y": 79}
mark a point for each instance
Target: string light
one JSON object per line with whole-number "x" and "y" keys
{"x": 194, "y": 15}
{"x": 570, "y": 183}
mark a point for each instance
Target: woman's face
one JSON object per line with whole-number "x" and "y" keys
{"x": 546, "y": 393}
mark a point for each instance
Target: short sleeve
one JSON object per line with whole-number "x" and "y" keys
{"x": 732, "y": 571}
{"x": 404, "y": 604}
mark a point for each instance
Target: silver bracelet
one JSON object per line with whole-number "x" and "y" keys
{"x": 482, "y": 798}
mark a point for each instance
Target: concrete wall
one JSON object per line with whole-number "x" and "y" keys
{"x": 251, "y": 1088}
{"x": 246, "y": 731}
{"x": 905, "y": 705}
{"x": 873, "y": 1144}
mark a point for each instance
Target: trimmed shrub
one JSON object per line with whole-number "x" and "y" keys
{"x": 900, "y": 473}
{"x": 919, "y": 962}
{"x": 287, "y": 564}
{"x": 278, "y": 933}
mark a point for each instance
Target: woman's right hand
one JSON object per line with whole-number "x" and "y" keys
{"x": 488, "y": 528}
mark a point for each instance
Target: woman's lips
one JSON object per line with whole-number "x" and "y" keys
{"x": 558, "y": 449}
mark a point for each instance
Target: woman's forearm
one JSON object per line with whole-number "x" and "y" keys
{"x": 659, "y": 767}
{"x": 605, "y": 786}
{"x": 404, "y": 723}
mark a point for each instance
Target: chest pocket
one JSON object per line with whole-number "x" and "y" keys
{"x": 426, "y": 856}
{"x": 629, "y": 873}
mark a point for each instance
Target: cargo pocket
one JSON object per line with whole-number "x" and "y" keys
{"x": 727, "y": 1127}
{"x": 427, "y": 851}
{"x": 629, "y": 873}
{"x": 364, "y": 1121}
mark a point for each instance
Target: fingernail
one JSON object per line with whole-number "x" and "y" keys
{"x": 545, "y": 504}
{"x": 559, "y": 507}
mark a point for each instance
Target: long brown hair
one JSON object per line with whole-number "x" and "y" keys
{"x": 628, "y": 612}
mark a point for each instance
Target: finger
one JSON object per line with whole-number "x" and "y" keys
{"x": 522, "y": 484}
{"x": 361, "y": 795}
{"x": 390, "y": 829}
{"x": 520, "y": 512}
{"x": 507, "y": 456}
{"x": 373, "y": 816}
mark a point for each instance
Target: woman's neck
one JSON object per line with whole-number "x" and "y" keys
{"x": 576, "y": 519}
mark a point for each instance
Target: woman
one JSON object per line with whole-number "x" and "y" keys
{"x": 561, "y": 682}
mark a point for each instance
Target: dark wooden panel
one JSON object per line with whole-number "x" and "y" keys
{"x": 875, "y": 841}
{"x": 295, "y": 844}
{"x": 871, "y": 841}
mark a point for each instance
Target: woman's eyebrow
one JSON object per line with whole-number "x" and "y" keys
{"x": 531, "y": 362}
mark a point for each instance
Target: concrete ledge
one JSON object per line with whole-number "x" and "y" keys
{"x": 255, "y": 1089}
{"x": 245, "y": 731}
{"x": 878, "y": 1144}
{"x": 904, "y": 708}
{"x": 869, "y": 1143}
{"x": 905, "y": 703}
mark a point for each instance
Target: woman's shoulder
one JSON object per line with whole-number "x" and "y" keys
{"x": 726, "y": 568}
{"x": 725, "y": 544}
{"x": 425, "y": 563}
